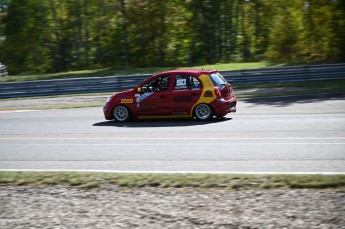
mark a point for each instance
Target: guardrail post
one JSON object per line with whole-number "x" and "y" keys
{"x": 306, "y": 72}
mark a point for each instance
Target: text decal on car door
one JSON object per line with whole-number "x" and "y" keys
{"x": 126, "y": 100}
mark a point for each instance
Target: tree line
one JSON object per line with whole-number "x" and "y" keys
{"x": 60, "y": 35}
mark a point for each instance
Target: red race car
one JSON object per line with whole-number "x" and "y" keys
{"x": 180, "y": 93}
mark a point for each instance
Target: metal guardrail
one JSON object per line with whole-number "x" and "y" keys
{"x": 119, "y": 83}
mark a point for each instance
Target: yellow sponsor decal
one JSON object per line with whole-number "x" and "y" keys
{"x": 208, "y": 89}
{"x": 126, "y": 100}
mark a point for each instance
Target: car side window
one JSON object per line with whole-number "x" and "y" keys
{"x": 195, "y": 83}
{"x": 160, "y": 83}
{"x": 164, "y": 83}
{"x": 186, "y": 82}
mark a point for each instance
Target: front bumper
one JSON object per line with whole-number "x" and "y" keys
{"x": 107, "y": 112}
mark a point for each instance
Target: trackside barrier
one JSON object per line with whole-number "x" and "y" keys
{"x": 120, "y": 83}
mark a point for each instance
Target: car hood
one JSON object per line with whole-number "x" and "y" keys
{"x": 124, "y": 93}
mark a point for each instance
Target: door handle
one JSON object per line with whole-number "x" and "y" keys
{"x": 163, "y": 97}
{"x": 194, "y": 94}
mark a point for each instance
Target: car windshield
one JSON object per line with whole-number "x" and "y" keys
{"x": 218, "y": 79}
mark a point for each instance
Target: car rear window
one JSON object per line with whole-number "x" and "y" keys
{"x": 218, "y": 79}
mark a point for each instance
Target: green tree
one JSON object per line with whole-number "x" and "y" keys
{"x": 60, "y": 35}
{"x": 283, "y": 36}
{"x": 25, "y": 33}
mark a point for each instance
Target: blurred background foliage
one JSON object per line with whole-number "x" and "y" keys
{"x": 59, "y": 35}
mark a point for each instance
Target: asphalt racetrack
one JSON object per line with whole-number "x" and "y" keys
{"x": 294, "y": 134}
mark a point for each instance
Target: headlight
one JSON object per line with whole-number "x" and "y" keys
{"x": 109, "y": 99}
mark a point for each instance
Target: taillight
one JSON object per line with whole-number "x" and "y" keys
{"x": 231, "y": 91}
{"x": 217, "y": 92}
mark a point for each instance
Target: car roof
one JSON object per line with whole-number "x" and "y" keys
{"x": 188, "y": 71}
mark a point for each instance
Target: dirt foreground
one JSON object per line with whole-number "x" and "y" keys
{"x": 61, "y": 207}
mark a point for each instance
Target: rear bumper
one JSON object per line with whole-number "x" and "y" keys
{"x": 222, "y": 107}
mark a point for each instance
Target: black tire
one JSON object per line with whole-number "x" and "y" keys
{"x": 121, "y": 113}
{"x": 203, "y": 112}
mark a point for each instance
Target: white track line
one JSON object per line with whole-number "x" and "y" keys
{"x": 15, "y": 111}
{"x": 160, "y": 138}
{"x": 173, "y": 144}
{"x": 172, "y": 172}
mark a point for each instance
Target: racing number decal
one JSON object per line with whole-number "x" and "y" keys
{"x": 181, "y": 84}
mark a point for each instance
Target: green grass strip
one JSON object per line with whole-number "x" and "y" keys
{"x": 196, "y": 181}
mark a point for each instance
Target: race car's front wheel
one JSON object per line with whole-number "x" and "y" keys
{"x": 203, "y": 112}
{"x": 121, "y": 113}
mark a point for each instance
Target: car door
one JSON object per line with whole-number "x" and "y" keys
{"x": 154, "y": 97}
{"x": 186, "y": 92}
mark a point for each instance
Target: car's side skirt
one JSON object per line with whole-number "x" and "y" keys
{"x": 165, "y": 117}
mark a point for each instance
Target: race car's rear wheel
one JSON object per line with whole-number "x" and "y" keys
{"x": 121, "y": 113}
{"x": 203, "y": 112}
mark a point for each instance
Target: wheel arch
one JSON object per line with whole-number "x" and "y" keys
{"x": 130, "y": 112}
{"x": 208, "y": 104}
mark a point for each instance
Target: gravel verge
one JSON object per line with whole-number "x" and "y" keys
{"x": 62, "y": 207}
{"x": 47, "y": 103}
